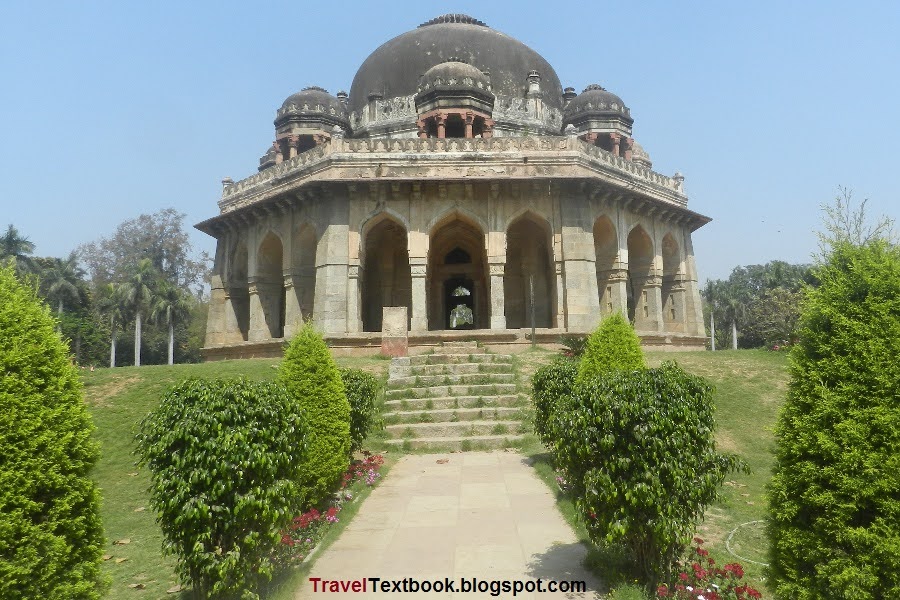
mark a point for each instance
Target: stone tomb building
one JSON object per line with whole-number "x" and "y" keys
{"x": 456, "y": 176}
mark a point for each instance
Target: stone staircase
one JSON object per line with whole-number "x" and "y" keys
{"x": 459, "y": 398}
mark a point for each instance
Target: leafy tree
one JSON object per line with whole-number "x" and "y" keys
{"x": 834, "y": 498}
{"x": 638, "y": 449}
{"x": 138, "y": 293}
{"x": 160, "y": 238}
{"x": 51, "y": 538}
{"x": 613, "y": 345}
{"x": 311, "y": 376}
{"x": 550, "y": 386}
{"x": 225, "y": 459}
{"x": 772, "y": 319}
{"x": 111, "y": 306}
{"x": 362, "y": 390}
{"x": 16, "y": 249}
{"x": 61, "y": 281}
{"x": 170, "y": 304}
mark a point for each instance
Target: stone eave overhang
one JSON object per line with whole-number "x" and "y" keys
{"x": 555, "y": 158}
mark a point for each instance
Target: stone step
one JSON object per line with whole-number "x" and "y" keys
{"x": 489, "y": 389}
{"x": 452, "y": 415}
{"x": 419, "y": 404}
{"x": 421, "y": 381}
{"x": 443, "y": 359}
{"x": 450, "y": 369}
{"x": 476, "y": 442}
{"x": 452, "y": 429}
{"x": 456, "y": 350}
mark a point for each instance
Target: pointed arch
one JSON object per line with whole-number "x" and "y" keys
{"x": 672, "y": 283}
{"x": 238, "y": 289}
{"x": 386, "y": 276}
{"x": 456, "y": 213}
{"x": 456, "y": 233}
{"x": 640, "y": 269}
{"x": 270, "y": 283}
{"x": 606, "y": 253}
{"x": 529, "y": 259}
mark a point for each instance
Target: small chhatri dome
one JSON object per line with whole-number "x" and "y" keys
{"x": 640, "y": 156}
{"x": 454, "y": 74}
{"x": 313, "y": 103}
{"x": 597, "y": 100}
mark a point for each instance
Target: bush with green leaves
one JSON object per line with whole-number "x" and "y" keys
{"x": 550, "y": 386}
{"x": 638, "y": 450}
{"x": 834, "y": 499}
{"x": 225, "y": 459}
{"x": 613, "y": 346}
{"x": 362, "y": 391}
{"x": 311, "y": 376}
{"x": 51, "y": 537}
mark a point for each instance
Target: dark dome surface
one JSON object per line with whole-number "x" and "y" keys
{"x": 596, "y": 100}
{"x": 395, "y": 67}
{"x": 313, "y": 97}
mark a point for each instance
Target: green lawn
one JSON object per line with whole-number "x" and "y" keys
{"x": 750, "y": 386}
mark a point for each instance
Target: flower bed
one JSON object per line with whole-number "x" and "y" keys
{"x": 701, "y": 579}
{"x": 308, "y": 529}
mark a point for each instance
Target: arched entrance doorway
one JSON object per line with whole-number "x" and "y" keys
{"x": 386, "y": 273}
{"x": 672, "y": 286}
{"x": 640, "y": 269}
{"x": 457, "y": 287}
{"x": 606, "y": 250}
{"x": 528, "y": 259}
{"x": 270, "y": 284}
{"x": 239, "y": 292}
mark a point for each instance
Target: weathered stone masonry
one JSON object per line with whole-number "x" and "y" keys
{"x": 457, "y": 201}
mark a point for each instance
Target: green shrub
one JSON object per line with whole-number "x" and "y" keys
{"x": 573, "y": 345}
{"x": 638, "y": 449}
{"x": 550, "y": 386}
{"x": 51, "y": 538}
{"x": 311, "y": 376}
{"x": 834, "y": 513}
{"x": 225, "y": 458}
{"x": 613, "y": 346}
{"x": 362, "y": 390}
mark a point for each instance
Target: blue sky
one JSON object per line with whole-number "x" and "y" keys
{"x": 113, "y": 109}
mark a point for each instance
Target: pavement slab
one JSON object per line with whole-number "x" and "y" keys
{"x": 482, "y": 515}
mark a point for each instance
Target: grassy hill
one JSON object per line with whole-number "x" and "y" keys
{"x": 750, "y": 386}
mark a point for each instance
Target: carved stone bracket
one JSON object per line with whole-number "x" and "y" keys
{"x": 497, "y": 269}
{"x": 418, "y": 270}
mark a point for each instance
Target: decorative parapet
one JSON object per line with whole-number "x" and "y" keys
{"x": 545, "y": 148}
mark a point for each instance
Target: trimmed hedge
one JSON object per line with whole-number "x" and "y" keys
{"x": 311, "y": 376}
{"x": 362, "y": 390}
{"x": 638, "y": 450}
{"x": 225, "y": 459}
{"x": 51, "y": 537}
{"x": 550, "y": 385}
{"x": 613, "y": 346}
{"x": 834, "y": 499}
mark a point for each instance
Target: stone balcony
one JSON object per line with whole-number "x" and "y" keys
{"x": 460, "y": 159}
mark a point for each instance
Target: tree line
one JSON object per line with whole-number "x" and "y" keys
{"x": 144, "y": 277}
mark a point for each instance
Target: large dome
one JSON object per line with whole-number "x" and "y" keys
{"x": 395, "y": 68}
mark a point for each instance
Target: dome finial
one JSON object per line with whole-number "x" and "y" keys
{"x": 454, "y": 18}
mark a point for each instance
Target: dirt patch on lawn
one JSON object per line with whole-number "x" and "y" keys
{"x": 102, "y": 394}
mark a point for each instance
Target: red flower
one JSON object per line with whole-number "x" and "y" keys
{"x": 286, "y": 539}
{"x": 702, "y": 552}
{"x": 683, "y": 576}
{"x": 662, "y": 592}
{"x": 698, "y": 541}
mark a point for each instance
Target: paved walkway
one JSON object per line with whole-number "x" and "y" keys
{"x": 479, "y": 514}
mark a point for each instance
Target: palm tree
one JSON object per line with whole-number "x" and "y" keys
{"x": 137, "y": 293}
{"x": 710, "y": 298}
{"x": 109, "y": 303}
{"x": 172, "y": 304}
{"x": 61, "y": 280}
{"x": 735, "y": 307}
{"x": 16, "y": 249}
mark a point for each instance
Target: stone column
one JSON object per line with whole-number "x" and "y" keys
{"x": 488, "y": 130}
{"x": 279, "y": 156}
{"x": 558, "y": 269}
{"x": 615, "y": 139}
{"x": 293, "y": 317}
{"x": 441, "y": 120}
{"x": 498, "y": 301}
{"x": 629, "y": 147}
{"x": 292, "y": 142}
{"x": 419, "y": 294}
{"x": 648, "y": 305}
{"x": 423, "y": 133}
{"x": 354, "y": 323}
{"x": 616, "y": 300}
{"x": 259, "y": 330}
{"x": 469, "y": 119}
{"x": 580, "y": 279}
{"x": 216, "y": 335}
